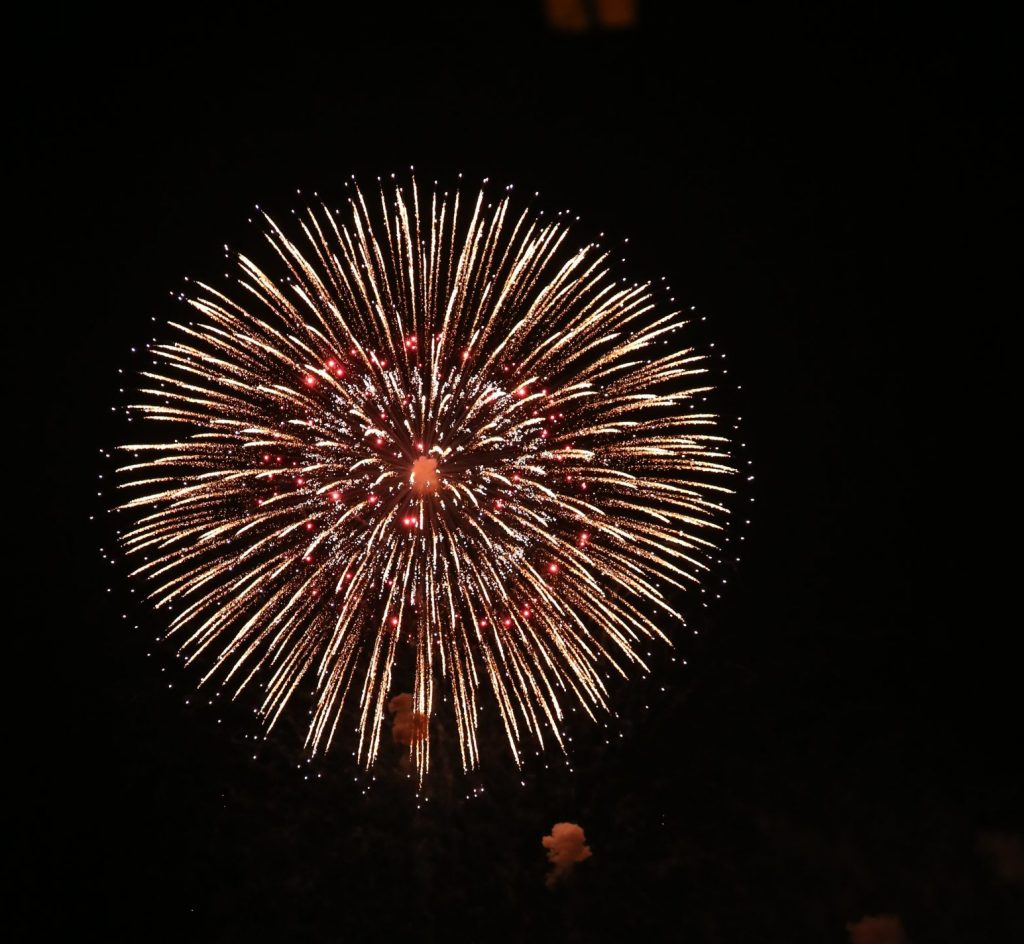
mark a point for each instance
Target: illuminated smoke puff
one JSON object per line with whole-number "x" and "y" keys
{"x": 427, "y": 438}
{"x": 408, "y": 727}
{"x": 877, "y": 929}
{"x": 567, "y": 845}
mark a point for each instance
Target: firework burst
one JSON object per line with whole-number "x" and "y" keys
{"x": 438, "y": 442}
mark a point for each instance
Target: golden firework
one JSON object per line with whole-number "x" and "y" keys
{"x": 436, "y": 440}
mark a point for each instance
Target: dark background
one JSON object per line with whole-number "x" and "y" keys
{"x": 829, "y": 189}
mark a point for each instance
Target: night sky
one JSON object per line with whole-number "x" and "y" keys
{"x": 828, "y": 189}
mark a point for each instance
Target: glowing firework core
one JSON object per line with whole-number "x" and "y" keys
{"x": 424, "y": 476}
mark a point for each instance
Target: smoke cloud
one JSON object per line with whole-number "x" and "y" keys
{"x": 407, "y": 726}
{"x": 877, "y": 929}
{"x": 566, "y": 846}
{"x": 1005, "y": 853}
